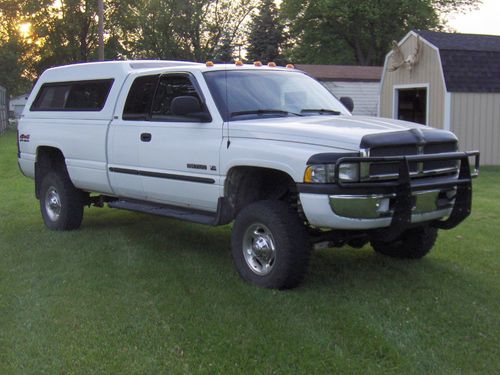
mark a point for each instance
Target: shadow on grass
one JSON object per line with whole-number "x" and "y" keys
{"x": 331, "y": 270}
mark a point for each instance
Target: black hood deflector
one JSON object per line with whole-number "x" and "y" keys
{"x": 416, "y": 136}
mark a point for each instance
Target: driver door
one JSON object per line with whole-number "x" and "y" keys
{"x": 180, "y": 157}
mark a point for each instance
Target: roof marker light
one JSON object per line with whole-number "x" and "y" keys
{"x": 257, "y": 63}
{"x": 238, "y": 63}
{"x": 272, "y": 64}
{"x": 209, "y": 64}
{"x": 290, "y": 66}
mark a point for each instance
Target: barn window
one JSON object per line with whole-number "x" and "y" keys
{"x": 411, "y": 104}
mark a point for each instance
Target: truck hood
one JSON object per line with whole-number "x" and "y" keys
{"x": 341, "y": 132}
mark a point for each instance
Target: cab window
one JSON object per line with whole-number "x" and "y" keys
{"x": 170, "y": 87}
{"x": 139, "y": 98}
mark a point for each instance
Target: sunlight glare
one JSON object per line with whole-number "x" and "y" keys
{"x": 25, "y": 29}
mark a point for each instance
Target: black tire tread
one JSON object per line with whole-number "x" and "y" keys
{"x": 415, "y": 243}
{"x": 72, "y": 200}
{"x": 290, "y": 235}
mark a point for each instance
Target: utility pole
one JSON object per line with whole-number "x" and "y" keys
{"x": 100, "y": 4}
{"x": 239, "y": 45}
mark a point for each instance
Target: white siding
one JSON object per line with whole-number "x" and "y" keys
{"x": 475, "y": 119}
{"x": 364, "y": 94}
{"x": 17, "y": 104}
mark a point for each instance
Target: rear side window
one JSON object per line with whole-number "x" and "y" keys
{"x": 139, "y": 98}
{"x": 73, "y": 96}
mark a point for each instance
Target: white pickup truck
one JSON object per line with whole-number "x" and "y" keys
{"x": 267, "y": 147}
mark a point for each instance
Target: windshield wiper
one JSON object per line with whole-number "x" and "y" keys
{"x": 264, "y": 112}
{"x": 322, "y": 111}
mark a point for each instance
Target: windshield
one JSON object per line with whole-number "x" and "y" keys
{"x": 250, "y": 94}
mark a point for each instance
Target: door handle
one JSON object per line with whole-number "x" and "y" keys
{"x": 146, "y": 137}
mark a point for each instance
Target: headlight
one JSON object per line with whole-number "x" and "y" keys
{"x": 349, "y": 172}
{"x": 320, "y": 174}
{"x": 325, "y": 173}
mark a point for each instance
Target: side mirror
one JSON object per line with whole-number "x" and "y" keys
{"x": 348, "y": 103}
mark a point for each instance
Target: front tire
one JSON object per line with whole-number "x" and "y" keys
{"x": 61, "y": 204}
{"x": 414, "y": 243}
{"x": 270, "y": 246}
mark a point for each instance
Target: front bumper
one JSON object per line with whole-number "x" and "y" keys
{"x": 397, "y": 203}
{"x": 318, "y": 210}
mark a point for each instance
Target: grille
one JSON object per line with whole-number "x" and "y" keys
{"x": 428, "y": 168}
{"x": 436, "y": 149}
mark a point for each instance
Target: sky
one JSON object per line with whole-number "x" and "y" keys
{"x": 485, "y": 20}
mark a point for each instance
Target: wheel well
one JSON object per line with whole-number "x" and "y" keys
{"x": 245, "y": 185}
{"x": 47, "y": 159}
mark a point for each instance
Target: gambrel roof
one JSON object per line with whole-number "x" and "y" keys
{"x": 471, "y": 63}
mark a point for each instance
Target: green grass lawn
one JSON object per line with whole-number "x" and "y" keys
{"x": 130, "y": 293}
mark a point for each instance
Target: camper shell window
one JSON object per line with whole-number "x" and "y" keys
{"x": 73, "y": 96}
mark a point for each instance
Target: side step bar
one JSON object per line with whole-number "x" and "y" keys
{"x": 193, "y": 216}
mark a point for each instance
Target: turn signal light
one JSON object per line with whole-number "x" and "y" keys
{"x": 308, "y": 176}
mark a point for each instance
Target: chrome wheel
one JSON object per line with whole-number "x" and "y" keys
{"x": 259, "y": 249}
{"x": 52, "y": 203}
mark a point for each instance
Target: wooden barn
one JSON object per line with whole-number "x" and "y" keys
{"x": 447, "y": 81}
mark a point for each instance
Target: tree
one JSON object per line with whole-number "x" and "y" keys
{"x": 16, "y": 49}
{"x": 65, "y": 31}
{"x": 266, "y": 35}
{"x": 224, "y": 51}
{"x": 359, "y": 32}
{"x": 186, "y": 29}
{"x": 13, "y": 67}
{"x": 68, "y": 33}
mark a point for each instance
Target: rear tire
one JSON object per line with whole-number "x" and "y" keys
{"x": 270, "y": 246}
{"x": 414, "y": 243}
{"x": 61, "y": 203}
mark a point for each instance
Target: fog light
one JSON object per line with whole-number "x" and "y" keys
{"x": 383, "y": 206}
